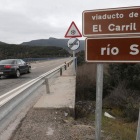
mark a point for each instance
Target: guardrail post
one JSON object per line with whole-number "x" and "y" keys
{"x": 65, "y": 67}
{"x": 47, "y": 85}
{"x": 60, "y": 71}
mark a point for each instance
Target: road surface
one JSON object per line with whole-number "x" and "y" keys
{"x": 39, "y": 68}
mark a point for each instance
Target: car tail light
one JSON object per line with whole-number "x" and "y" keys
{"x": 7, "y": 66}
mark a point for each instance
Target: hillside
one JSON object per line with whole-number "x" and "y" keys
{"x": 21, "y": 51}
{"x": 2, "y": 42}
{"x": 54, "y": 42}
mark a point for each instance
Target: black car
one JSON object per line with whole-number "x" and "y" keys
{"x": 14, "y": 67}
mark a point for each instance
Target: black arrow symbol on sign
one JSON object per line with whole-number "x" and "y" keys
{"x": 73, "y": 43}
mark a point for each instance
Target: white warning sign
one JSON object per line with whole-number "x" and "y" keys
{"x": 73, "y": 31}
{"x": 73, "y": 44}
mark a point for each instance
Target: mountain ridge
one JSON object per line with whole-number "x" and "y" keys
{"x": 54, "y": 42}
{"x": 2, "y": 42}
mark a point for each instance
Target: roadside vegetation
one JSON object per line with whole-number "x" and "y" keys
{"x": 8, "y": 51}
{"x": 81, "y": 58}
{"x": 121, "y": 96}
{"x": 117, "y": 129}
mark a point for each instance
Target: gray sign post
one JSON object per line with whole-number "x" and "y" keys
{"x": 74, "y": 69}
{"x": 138, "y": 129}
{"x": 99, "y": 92}
{"x": 74, "y": 44}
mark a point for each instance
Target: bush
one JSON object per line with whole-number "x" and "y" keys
{"x": 124, "y": 72}
{"x": 126, "y": 100}
{"x": 80, "y": 58}
{"x": 86, "y": 82}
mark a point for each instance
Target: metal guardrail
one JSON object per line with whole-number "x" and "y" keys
{"x": 41, "y": 59}
{"x": 11, "y": 99}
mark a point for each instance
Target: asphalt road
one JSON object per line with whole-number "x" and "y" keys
{"x": 39, "y": 68}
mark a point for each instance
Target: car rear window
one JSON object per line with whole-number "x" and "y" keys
{"x": 7, "y": 61}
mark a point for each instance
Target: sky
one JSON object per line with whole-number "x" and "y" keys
{"x": 26, "y": 20}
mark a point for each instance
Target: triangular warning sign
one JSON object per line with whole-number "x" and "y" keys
{"x": 73, "y": 31}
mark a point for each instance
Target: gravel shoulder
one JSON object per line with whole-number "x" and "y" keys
{"x": 46, "y": 124}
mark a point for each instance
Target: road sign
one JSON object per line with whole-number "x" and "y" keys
{"x": 73, "y": 31}
{"x": 73, "y": 44}
{"x": 109, "y": 50}
{"x": 112, "y": 22}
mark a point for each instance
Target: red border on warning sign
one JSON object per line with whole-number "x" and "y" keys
{"x": 80, "y": 35}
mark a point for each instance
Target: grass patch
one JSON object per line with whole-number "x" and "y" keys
{"x": 117, "y": 129}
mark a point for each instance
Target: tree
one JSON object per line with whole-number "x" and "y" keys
{"x": 124, "y": 72}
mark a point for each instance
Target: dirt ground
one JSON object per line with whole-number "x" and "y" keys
{"x": 43, "y": 124}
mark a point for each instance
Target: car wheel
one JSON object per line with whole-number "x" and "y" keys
{"x": 29, "y": 70}
{"x": 17, "y": 74}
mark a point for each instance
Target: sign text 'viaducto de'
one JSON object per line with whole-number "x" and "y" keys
{"x": 111, "y": 22}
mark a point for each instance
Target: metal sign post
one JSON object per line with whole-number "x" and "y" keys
{"x": 99, "y": 91}
{"x": 74, "y": 69}
{"x": 138, "y": 129}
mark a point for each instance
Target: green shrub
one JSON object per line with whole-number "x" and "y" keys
{"x": 80, "y": 58}
{"x": 126, "y": 100}
{"x": 124, "y": 72}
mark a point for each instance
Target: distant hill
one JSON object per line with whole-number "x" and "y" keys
{"x": 8, "y": 51}
{"x": 54, "y": 42}
{"x": 2, "y": 42}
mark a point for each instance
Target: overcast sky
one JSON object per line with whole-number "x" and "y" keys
{"x": 25, "y": 20}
